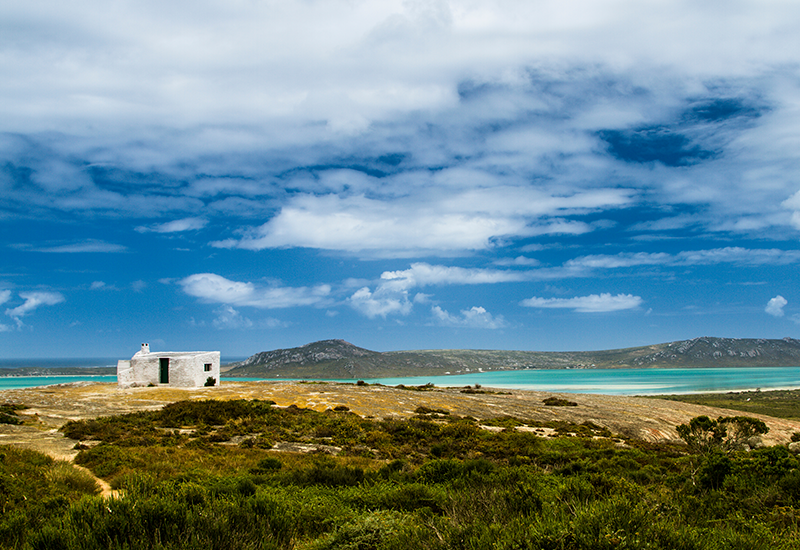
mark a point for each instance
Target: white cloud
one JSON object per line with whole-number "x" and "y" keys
{"x": 601, "y": 261}
{"x": 138, "y": 286}
{"x": 175, "y": 226}
{"x": 739, "y": 255}
{"x": 499, "y": 103}
{"x": 88, "y": 246}
{"x": 793, "y": 204}
{"x": 33, "y": 300}
{"x": 422, "y": 274}
{"x": 593, "y": 303}
{"x": 734, "y": 255}
{"x": 302, "y": 56}
{"x": 519, "y": 261}
{"x": 380, "y": 303}
{"x": 229, "y": 318}
{"x": 775, "y": 306}
{"x": 210, "y": 287}
{"x": 5, "y": 295}
{"x": 430, "y": 220}
{"x": 380, "y": 227}
{"x": 391, "y": 294}
{"x": 475, "y": 317}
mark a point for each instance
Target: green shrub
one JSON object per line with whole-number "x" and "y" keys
{"x": 559, "y": 402}
{"x": 485, "y": 489}
{"x": 421, "y": 410}
{"x": 8, "y": 413}
{"x": 327, "y": 472}
{"x": 267, "y": 465}
{"x": 728, "y": 433}
{"x": 715, "y": 468}
{"x": 74, "y": 479}
{"x": 381, "y": 529}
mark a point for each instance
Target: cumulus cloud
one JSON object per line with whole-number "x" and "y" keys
{"x": 410, "y": 129}
{"x": 138, "y": 286}
{"x": 229, "y": 318}
{"x": 775, "y": 306}
{"x": 593, "y": 303}
{"x": 380, "y": 303}
{"x": 793, "y": 204}
{"x": 33, "y": 301}
{"x": 175, "y": 226}
{"x": 102, "y": 285}
{"x": 556, "y": 118}
{"x": 421, "y": 274}
{"x": 210, "y": 287}
{"x": 430, "y": 220}
{"x": 5, "y": 295}
{"x": 475, "y": 317}
{"x": 391, "y": 295}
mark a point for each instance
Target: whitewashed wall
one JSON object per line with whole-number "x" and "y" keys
{"x": 186, "y": 369}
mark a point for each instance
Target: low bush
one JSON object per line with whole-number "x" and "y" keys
{"x": 559, "y": 402}
{"x": 428, "y": 483}
{"x": 8, "y": 413}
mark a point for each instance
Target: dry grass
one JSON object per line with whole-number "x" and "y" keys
{"x": 642, "y": 418}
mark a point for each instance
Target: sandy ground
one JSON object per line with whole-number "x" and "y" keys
{"x": 649, "y": 419}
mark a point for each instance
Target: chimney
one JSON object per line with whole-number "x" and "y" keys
{"x": 145, "y": 348}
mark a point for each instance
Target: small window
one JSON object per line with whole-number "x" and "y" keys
{"x": 207, "y": 367}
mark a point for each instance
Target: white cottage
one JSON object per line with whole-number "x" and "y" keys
{"x": 185, "y": 369}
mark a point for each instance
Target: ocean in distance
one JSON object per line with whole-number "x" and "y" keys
{"x": 19, "y": 382}
{"x": 653, "y": 381}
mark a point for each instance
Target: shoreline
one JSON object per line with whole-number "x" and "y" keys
{"x": 613, "y": 382}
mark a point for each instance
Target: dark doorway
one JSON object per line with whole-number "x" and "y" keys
{"x": 164, "y": 364}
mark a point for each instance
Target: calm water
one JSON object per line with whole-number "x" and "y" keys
{"x": 617, "y": 381}
{"x": 611, "y": 381}
{"x": 58, "y": 363}
{"x": 16, "y": 382}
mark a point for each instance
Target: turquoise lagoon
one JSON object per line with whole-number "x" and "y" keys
{"x": 18, "y": 382}
{"x": 652, "y": 381}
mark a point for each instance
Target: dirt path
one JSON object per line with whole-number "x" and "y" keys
{"x": 51, "y": 407}
{"x": 105, "y": 489}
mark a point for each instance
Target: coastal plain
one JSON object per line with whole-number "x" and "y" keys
{"x": 647, "y": 419}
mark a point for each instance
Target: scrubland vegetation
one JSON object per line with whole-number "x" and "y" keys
{"x": 778, "y": 403}
{"x": 205, "y": 474}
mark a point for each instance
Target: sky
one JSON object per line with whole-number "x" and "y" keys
{"x": 248, "y": 175}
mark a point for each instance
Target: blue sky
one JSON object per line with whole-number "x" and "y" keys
{"x": 247, "y": 175}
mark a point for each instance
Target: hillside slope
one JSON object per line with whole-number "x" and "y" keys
{"x": 337, "y": 359}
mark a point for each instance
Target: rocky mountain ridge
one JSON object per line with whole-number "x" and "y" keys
{"x": 726, "y": 349}
{"x": 315, "y": 352}
{"x": 338, "y": 359}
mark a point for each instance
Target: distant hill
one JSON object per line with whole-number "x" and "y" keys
{"x": 337, "y": 359}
